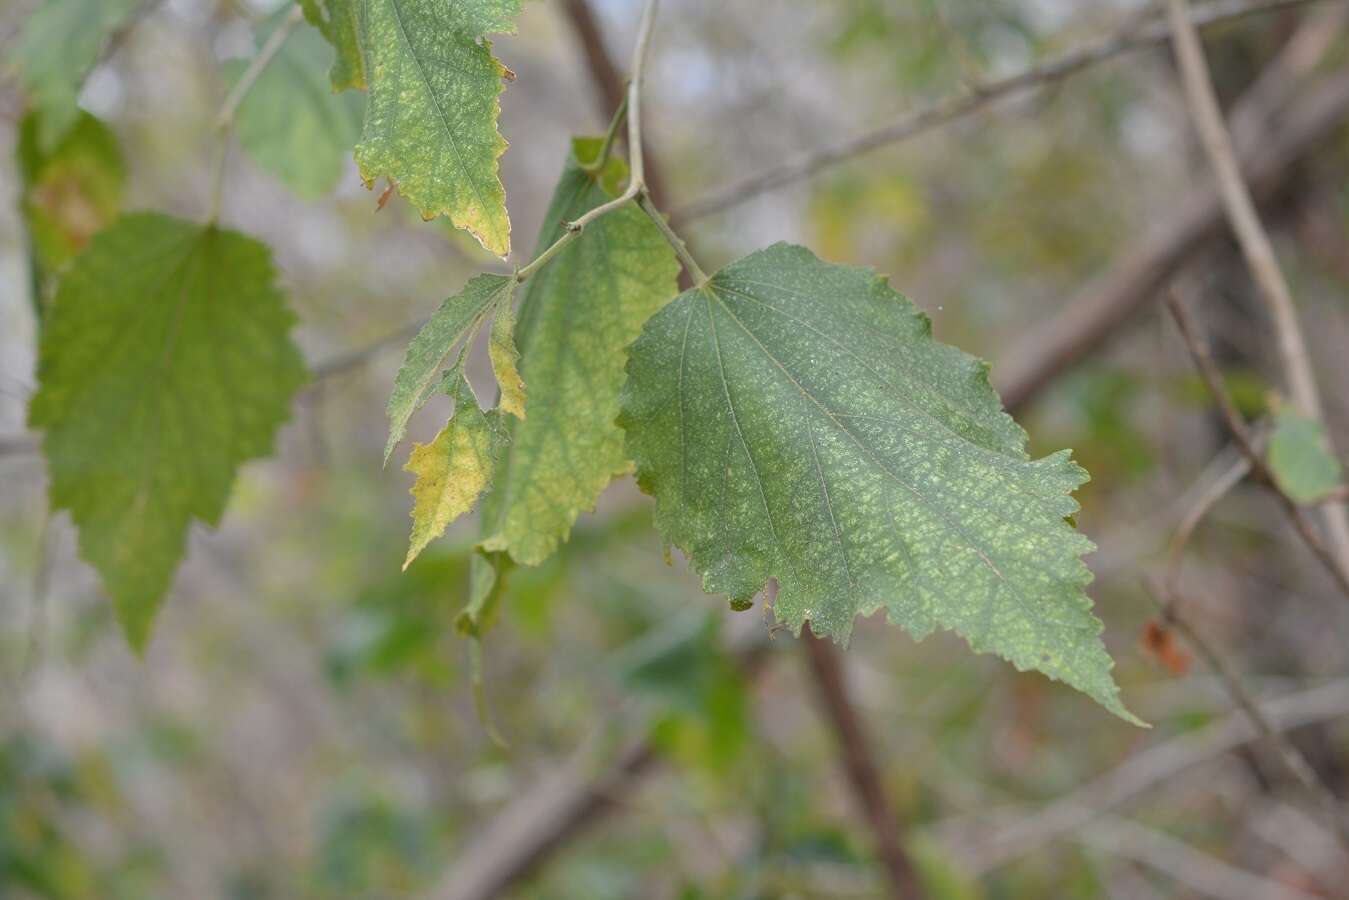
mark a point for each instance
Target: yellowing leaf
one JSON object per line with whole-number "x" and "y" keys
{"x": 795, "y": 419}
{"x": 577, "y": 315}
{"x": 454, "y": 469}
{"x": 505, "y": 361}
{"x": 430, "y": 126}
{"x": 70, "y": 191}
{"x": 164, "y": 365}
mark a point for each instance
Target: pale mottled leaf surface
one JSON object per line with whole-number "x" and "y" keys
{"x": 454, "y": 469}
{"x": 292, "y": 124}
{"x": 795, "y": 419}
{"x": 60, "y": 43}
{"x": 339, "y": 22}
{"x": 1300, "y": 458}
{"x": 577, "y": 315}
{"x": 421, "y": 372}
{"x": 164, "y": 365}
{"x": 431, "y": 122}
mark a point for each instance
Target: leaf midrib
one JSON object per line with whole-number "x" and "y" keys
{"x": 440, "y": 110}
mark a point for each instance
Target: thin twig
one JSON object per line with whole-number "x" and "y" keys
{"x": 1198, "y": 871}
{"x": 1097, "y": 313}
{"x": 977, "y": 98}
{"x": 1139, "y": 773}
{"x": 1293, "y": 760}
{"x": 1254, "y": 240}
{"x": 1207, "y": 499}
{"x": 637, "y": 188}
{"x": 224, "y": 120}
{"x": 859, "y": 763}
{"x": 610, "y": 90}
{"x": 636, "y": 181}
{"x": 1241, "y": 434}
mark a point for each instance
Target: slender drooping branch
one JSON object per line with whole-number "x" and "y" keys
{"x": 1255, "y": 244}
{"x": 224, "y": 120}
{"x": 1241, "y": 434}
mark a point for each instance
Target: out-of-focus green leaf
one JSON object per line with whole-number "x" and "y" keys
{"x": 795, "y": 419}
{"x": 60, "y": 44}
{"x": 70, "y": 191}
{"x": 1300, "y": 458}
{"x": 166, "y": 363}
{"x": 292, "y": 124}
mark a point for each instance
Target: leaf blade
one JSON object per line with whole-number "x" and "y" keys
{"x": 795, "y": 419}
{"x": 453, "y": 470}
{"x": 1300, "y": 458}
{"x": 577, "y": 315}
{"x": 417, "y": 378}
{"x": 434, "y": 101}
{"x": 292, "y": 124}
{"x": 152, "y": 393}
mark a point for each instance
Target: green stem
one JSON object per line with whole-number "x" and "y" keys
{"x": 637, "y": 183}
{"x": 224, "y": 121}
{"x": 674, "y": 240}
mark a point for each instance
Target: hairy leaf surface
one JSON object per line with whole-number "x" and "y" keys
{"x": 795, "y": 419}
{"x": 339, "y": 22}
{"x": 577, "y": 315}
{"x": 431, "y": 122}
{"x": 420, "y": 375}
{"x": 60, "y": 44}
{"x": 1301, "y": 460}
{"x": 293, "y": 125}
{"x": 454, "y": 469}
{"x": 164, "y": 365}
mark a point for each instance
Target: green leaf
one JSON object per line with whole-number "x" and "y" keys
{"x": 431, "y": 123}
{"x": 292, "y": 124}
{"x": 577, "y": 314}
{"x": 453, "y": 470}
{"x": 164, "y": 365}
{"x": 506, "y": 361}
{"x": 339, "y": 22}
{"x": 60, "y": 43}
{"x": 795, "y": 419}
{"x": 70, "y": 191}
{"x": 1300, "y": 459}
{"x": 420, "y": 374}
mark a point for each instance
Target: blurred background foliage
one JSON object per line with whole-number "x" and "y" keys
{"x": 303, "y": 724}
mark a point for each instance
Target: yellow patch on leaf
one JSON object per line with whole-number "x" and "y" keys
{"x": 452, "y": 471}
